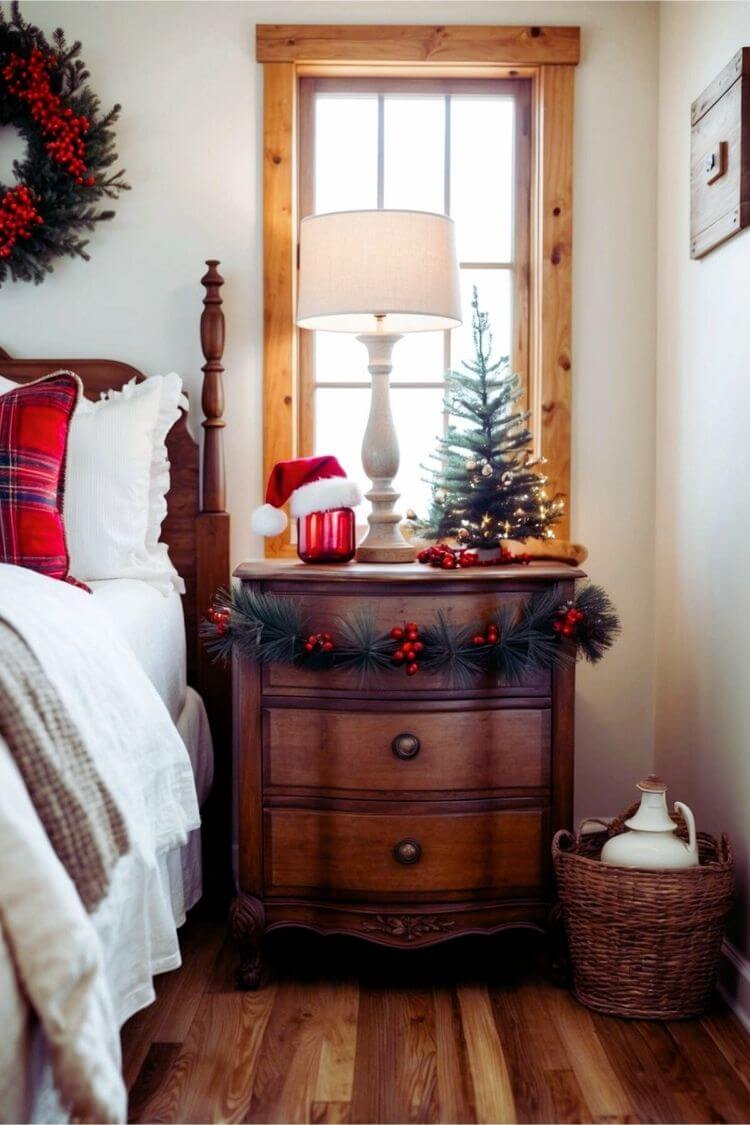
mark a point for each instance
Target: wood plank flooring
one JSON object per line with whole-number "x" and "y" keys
{"x": 471, "y": 1031}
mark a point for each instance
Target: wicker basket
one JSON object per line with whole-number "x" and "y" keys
{"x": 644, "y": 944}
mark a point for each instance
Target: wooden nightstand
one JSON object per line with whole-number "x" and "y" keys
{"x": 406, "y": 811}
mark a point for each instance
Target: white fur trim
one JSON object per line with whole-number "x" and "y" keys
{"x": 323, "y": 495}
{"x": 267, "y": 520}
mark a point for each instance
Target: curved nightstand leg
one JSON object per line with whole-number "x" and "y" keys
{"x": 247, "y": 920}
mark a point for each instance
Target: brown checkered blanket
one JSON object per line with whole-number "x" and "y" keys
{"x": 79, "y": 815}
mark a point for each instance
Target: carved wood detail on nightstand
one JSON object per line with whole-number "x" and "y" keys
{"x": 407, "y": 927}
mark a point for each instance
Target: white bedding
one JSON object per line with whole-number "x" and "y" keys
{"x": 153, "y": 625}
{"x": 143, "y": 760}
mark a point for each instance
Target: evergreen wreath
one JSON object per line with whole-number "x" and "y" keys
{"x": 70, "y": 148}
{"x": 541, "y": 633}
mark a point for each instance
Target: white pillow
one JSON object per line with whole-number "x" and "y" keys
{"x": 116, "y": 482}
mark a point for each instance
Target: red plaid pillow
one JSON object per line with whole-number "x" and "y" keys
{"x": 34, "y": 421}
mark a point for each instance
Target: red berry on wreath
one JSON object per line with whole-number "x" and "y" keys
{"x": 478, "y": 639}
{"x": 412, "y": 627}
{"x": 327, "y": 646}
{"x": 308, "y": 646}
{"x": 397, "y": 633}
{"x": 418, "y": 646}
{"x": 399, "y": 656}
{"x": 411, "y": 669}
{"x": 312, "y": 639}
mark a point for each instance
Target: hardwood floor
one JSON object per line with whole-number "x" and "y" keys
{"x": 468, "y": 1031}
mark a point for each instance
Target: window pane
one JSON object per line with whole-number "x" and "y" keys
{"x": 346, "y": 153}
{"x": 413, "y": 158}
{"x": 419, "y": 421}
{"x": 340, "y": 421}
{"x": 482, "y": 177}
{"x": 419, "y": 358}
{"x": 339, "y": 357}
{"x": 494, "y": 291}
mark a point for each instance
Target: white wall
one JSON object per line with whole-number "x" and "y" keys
{"x": 703, "y": 604}
{"x": 190, "y": 137}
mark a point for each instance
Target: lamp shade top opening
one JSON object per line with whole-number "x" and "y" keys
{"x": 400, "y": 265}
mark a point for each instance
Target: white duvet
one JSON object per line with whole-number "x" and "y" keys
{"x": 82, "y": 976}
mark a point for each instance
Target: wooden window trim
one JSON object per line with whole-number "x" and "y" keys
{"x": 547, "y": 56}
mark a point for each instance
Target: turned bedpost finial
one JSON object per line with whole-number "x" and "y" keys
{"x": 212, "y": 342}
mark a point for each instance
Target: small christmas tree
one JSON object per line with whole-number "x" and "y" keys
{"x": 485, "y": 487}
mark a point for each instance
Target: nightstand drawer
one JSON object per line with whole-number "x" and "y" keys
{"x": 340, "y": 854}
{"x": 407, "y": 750}
{"x": 323, "y": 611}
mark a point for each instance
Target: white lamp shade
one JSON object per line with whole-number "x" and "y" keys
{"x": 355, "y": 265}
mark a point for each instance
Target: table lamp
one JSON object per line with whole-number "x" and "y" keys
{"x": 379, "y": 274}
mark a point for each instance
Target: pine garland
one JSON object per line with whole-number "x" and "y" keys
{"x": 539, "y": 634}
{"x": 66, "y": 170}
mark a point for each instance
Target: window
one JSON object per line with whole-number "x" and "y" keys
{"x": 457, "y": 146}
{"x": 532, "y": 63}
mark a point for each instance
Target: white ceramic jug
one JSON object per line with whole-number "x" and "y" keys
{"x": 651, "y": 842}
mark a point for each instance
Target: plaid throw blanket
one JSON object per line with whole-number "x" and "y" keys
{"x": 79, "y": 815}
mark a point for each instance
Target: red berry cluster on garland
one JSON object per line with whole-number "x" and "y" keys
{"x": 567, "y": 621}
{"x": 18, "y": 217}
{"x": 320, "y": 641}
{"x": 455, "y": 558}
{"x": 490, "y": 636}
{"x": 220, "y": 616}
{"x": 28, "y": 79}
{"x": 409, "y": 646}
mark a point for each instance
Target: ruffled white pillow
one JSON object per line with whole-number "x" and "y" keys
{"x": 117, "y": 480}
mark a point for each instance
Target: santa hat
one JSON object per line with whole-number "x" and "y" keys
{"x": 312, "y": 484}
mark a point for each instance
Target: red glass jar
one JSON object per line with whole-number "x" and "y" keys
{"x": 327, "y": 536}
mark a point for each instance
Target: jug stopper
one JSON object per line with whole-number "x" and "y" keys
{"x": 652, "y": 784}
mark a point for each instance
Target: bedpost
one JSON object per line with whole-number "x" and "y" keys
{"x": 213, "y": 572}
{"x": 212, "y": 342}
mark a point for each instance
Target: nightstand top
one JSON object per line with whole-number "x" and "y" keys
{"x": 292, "y": 570}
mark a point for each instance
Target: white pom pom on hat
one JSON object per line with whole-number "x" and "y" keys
{"x": 311, "y": 484}
{"x": 267, "y": 520}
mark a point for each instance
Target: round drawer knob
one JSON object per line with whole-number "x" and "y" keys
{"x": 408, "y": 851}
{"x": 405, "y": 745}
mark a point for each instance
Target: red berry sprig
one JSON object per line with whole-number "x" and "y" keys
{"x": 319, "y": 642}
{"x": 440, "y": 556}
{"x": 409, "y": 647}
{"x": 567, "y": 620}
{"x": 28, "y": 79}
{"x": 220, "y": 616}
{"x": 18, "y": 217}
{"x": 459, "y": 558}
{"x": 490, "y": 636}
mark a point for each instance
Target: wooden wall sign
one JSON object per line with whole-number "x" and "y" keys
{"x": 720, "y": 157}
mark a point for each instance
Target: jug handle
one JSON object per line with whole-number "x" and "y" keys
{"x": 692, "y": 844}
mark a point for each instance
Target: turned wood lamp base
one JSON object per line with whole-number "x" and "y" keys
{"x": 405, "y": 554}
{"x": 384, "y": 542}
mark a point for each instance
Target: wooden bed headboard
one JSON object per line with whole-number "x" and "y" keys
{"x": 196, "y": 528}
